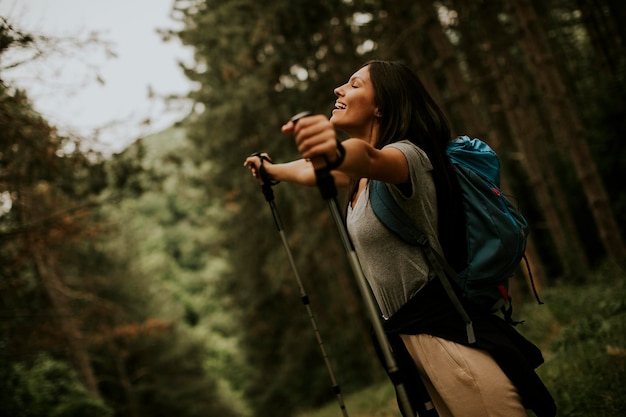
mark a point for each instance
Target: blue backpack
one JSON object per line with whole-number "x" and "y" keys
{"x": 496, "y": 231}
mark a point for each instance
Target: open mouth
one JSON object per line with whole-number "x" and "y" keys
{"x": 340, "y": 106}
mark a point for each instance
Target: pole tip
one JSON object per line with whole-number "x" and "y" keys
{"x": 299, "y": 116}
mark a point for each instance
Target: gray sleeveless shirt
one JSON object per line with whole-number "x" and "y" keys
{"x": 395, "y": 270}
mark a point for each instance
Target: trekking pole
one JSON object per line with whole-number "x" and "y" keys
{"x": 326, "y": 185}
{"x": 266, "y": 187}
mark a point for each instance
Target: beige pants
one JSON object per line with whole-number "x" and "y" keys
{"x": 462, "y": 381}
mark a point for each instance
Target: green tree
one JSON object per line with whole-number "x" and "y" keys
{"x": 168, "y": 234}
{"x": 260, "y": 63}
{"x": 70, "y": 292}
{"x": 47, "y": 387}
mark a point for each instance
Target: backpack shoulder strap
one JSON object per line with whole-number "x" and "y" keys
{"x": 391, "y": 215}
{"x": 395, "y": 219}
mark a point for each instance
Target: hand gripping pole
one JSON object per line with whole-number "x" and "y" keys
{"x": 266, "y": 187}
{"x": 328, "y": 190}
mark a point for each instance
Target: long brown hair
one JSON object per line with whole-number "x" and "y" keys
{"x": 409, "y": 112}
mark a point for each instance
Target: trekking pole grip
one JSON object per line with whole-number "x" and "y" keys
{"x": 323, "y": 178}
{"x": 267, "y": 182}
{"x": 325, "y": 183}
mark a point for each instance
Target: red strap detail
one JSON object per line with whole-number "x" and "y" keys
{"x": 503, "y": 291}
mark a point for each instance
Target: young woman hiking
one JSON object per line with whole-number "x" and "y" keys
{"x": 398, "y": 135}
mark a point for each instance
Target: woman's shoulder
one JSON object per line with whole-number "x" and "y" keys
{"x": 412, "y": 152}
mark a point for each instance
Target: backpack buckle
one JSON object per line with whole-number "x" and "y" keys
{"x": 422, "y": 240}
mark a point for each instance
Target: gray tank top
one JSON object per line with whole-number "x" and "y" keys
{"x": 396, "y": 271}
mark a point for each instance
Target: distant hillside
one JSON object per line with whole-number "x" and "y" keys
{"x": 158, "y": 145}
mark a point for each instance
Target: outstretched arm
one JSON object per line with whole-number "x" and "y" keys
{"x": 300, "y": 171}
{"x": 316, "y": 138}
{"x": 317, "y": 142}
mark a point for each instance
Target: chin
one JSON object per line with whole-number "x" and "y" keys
{"x": 335, "y": 119}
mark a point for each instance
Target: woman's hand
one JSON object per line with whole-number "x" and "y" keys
{"x": 353, "y": 158}
{"x": 315, "y": 139}
{"x": 254, "y": 163}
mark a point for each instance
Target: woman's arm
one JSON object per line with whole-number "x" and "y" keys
{"x": 316, "y": 139}
{"x": 362, "y": 160}
{"x": 300, "y": 171}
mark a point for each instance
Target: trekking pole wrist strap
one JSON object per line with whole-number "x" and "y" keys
{"x": 325, "y": 183}
{"x": 341, "y": 155}
{"x": 263, "y": 175}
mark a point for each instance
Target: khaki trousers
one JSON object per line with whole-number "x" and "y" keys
{"x": 462, "y": 381}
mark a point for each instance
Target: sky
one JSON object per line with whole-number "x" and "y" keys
{"x": 88, "y": 93}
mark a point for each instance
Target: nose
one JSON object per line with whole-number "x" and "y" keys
{"x": 338, "y": 91}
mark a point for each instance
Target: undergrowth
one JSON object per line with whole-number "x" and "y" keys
{"x": 582, "y": 333}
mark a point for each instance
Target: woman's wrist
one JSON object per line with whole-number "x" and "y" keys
{"x": 341, "y": 155}
{"x": 265, "y": 162}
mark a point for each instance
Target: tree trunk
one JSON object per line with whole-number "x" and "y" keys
{"x": 457, "y": 99}
{"x": 568, "y": 129}
{"x": 119, "y": 357}
{"x": 53, "y": 287}
{"x": 605, "y": 26}
{"x": 393, "y": 46}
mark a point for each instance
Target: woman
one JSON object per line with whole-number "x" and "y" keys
{"x": 398, "y": 135}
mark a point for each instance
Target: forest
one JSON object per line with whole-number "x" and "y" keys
{"x": 153, "y": 282}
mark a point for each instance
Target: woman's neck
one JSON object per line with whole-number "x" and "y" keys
{"x": 367, "y": 133}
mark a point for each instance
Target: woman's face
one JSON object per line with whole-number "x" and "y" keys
{"x": 355, "y": 112}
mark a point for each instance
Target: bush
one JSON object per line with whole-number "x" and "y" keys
{"x": 583, "y": 335}
{"x": 45, "y": 388}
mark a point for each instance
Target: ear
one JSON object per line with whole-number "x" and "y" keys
{"x": 377, "y": 113}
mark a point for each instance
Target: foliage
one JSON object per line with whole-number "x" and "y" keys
{"x": 377, "y": 400}
{"x": 586, "y": 373}
{"x": 169, "y": 237}
{"x": 154, "y": 368}
{"x": 45, "y": 387}
{"x": 71, "y": 290}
